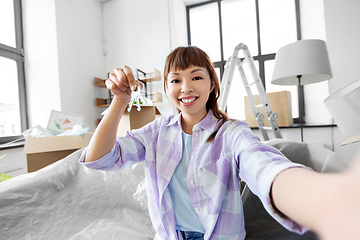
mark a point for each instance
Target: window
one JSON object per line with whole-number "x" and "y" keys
{"x": 13, "y": 118}
{"x": 263, "y": 25}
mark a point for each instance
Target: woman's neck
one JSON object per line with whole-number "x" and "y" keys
{"x": 188, "y": 122}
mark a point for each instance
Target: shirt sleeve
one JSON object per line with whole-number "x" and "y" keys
{"x": 128, "y": 150}
{"x": 259, "y": 165}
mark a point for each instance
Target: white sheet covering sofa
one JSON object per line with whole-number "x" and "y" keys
{"x": 66, "y": 200}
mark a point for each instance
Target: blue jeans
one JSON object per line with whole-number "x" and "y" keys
{"x": 187, "y": 235}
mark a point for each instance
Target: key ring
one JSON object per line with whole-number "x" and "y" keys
{"x": 135, "y": 96}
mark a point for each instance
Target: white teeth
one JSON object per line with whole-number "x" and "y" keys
{"x": 188, "y": 100}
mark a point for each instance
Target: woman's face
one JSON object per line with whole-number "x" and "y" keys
{"x": 189, "y": 90}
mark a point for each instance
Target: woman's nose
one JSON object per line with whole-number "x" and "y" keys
{"x": 187, "y": 87}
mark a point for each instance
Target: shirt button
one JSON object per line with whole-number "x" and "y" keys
{"x": 193, "y": 157}
{"x": 197, "y": 134}
{"x": 198, "y": 209}
{"x": 191, "y": 181}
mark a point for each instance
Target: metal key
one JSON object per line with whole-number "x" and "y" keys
{"x": 136, "y": 96}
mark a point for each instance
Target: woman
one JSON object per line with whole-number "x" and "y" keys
{"x": 194, "y": 161}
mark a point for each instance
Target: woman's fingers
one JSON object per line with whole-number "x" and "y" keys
{"x": 122, "y": 81}
{"x": 112, "y": 86}
{"x": 140, "y": 84}
{"x": 120, "y": 74}
{"x": 130, "y": 78}
{"x": 119, "y": 82}
{"x": 126, "y": 77}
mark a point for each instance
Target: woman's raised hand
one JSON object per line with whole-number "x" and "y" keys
{"x": 121, "y": 82}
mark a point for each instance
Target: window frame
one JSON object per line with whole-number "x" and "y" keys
{"x": 17, "y": 54}
{"x": 261, "y": 58}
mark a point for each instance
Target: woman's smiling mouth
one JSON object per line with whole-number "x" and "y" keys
{"x": 188, "y": 100}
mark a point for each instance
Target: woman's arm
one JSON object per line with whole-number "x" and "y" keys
{"x": 328, "y": 204}
{"x": 120, "y": 84}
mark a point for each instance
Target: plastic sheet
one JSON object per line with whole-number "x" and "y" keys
{"x": 38, "y": 131}
{"x": 68, "y": 201}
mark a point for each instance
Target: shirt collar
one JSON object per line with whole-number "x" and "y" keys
{"x": 176, "y": 120}
{"x": 208, "y": 123}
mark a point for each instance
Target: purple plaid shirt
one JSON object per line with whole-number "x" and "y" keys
{"x": 213, "y": 175}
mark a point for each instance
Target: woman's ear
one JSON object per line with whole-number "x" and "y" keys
{"x": 212, "y": 86}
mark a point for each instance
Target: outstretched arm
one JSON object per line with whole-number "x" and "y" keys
{"x": 120, "y": 83}
{"x": 328, "y": 204}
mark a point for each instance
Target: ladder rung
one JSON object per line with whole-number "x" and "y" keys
{"x": 250, "y": 84}
{"x": 259, "y": 106}
{"x": 267, "y": 128}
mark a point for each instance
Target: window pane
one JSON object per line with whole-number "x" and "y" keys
{"x": 9, "y": 99}
{"x": 217, "y": 70}
{"x": 205, "y": 32}
{"x": 277, "y": 24}
{"x": 269, "y": 67}
{"x": 7, "y": 23}
{"x": 238, "y": 25}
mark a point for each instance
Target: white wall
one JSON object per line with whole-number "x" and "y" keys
{"x": 141, "y": 33}
{"x": 79, "y": 37}
{"x": 177, "y": 19}
{"x": 63, "y": 49}
{"x": 41, "y": 61}
{"x": 342, "y": 30}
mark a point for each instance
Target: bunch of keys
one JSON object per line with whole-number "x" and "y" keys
{"x": 135, "y": 96}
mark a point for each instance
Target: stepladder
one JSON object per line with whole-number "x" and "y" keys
{"x": 236, "y": 61}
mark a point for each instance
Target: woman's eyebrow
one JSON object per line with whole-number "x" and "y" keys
{"x": 174, "y": 73}
{"x": 196, "y": 70}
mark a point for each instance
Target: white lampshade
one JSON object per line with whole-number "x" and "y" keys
{"x": 308, "y": 58}
{"x": 344, "y": 106}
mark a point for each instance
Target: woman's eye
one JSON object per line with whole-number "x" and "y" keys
{"x": 174, "y": 81}
{"x": 197, "y": 78}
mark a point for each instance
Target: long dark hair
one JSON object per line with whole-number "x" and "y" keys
{"x": 183, "y": 57}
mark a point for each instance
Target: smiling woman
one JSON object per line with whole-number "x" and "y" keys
{"x": 189, "y": 91}
{"x": 193, "y": 60}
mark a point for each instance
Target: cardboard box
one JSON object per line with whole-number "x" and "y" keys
{"x": 280, "y": 103}
{"x": 44, "y": 151}
{"x": 136, "y": 119}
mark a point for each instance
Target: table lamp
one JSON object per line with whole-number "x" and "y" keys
{"x": 299, "y": 63}
{"x": 344, "y": 106}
